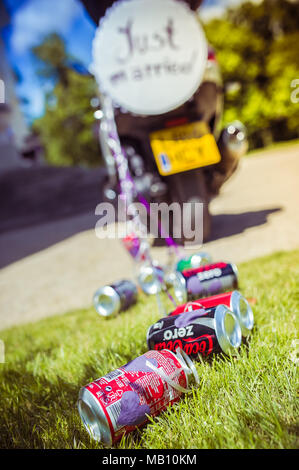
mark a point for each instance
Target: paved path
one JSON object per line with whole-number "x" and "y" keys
{"x": 256, "y": 214}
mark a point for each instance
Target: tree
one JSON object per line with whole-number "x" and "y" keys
{"x": 66, "y": 128}
{"x": 53, "y": 59}
{"x": 257, "y": 49}
{"x": 283, "y": 69}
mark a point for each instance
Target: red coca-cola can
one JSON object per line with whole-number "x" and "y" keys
{"x": 234, "y": 300}
{"x": 122, "y": 400}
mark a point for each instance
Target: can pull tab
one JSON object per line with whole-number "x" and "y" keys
{"x": 187, "y": 366}
{"x": 190, "y": 306}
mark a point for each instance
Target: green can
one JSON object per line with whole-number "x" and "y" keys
{"x": 194, "y": 261}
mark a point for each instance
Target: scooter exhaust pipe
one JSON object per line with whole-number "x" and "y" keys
{"x": 234, "y": 141}
{"x": 232, "y": 144}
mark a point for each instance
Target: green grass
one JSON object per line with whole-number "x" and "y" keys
{"x": 246, "y": 402}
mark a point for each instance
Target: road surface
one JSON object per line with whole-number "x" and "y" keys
{"x": 256, "y": 214}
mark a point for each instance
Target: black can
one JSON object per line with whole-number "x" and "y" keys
{"x": 202, "y": 331}
{"x": 192, "y": 284}
{"x": 115, "y": 298}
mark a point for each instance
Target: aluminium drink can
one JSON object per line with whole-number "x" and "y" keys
{"x": 201, "y": 331}
{"x": 122, "y": 400}
{"x": 115, "y": 298}
{"x": 207, "y": 280}
{"x": 234, "y": 300}
{"x": 151, "y": 279}
{"x": 194, "y": 261}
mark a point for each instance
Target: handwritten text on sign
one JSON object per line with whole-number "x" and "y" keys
{"x": 149, "y": 56}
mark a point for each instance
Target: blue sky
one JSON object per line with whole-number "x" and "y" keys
{"x": 32, "y": 20}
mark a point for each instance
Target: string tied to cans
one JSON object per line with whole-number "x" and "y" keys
{"x": 187, "y": 366}
{"x": 128, "y": 191}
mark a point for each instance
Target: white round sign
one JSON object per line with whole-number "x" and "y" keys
{"x": 149, "y": 56}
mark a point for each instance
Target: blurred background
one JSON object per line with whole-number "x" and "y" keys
{"x": 52, "y": 173}
{"x": 45, "y": 53}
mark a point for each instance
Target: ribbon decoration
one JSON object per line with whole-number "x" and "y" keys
{"x": 128, "y": 190}
{"x": 187, "y": 366}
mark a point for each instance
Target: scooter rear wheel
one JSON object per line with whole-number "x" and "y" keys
{"x": 190, "y": 187}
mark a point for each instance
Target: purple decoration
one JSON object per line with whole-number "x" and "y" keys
{"x": 131, "y": 412}
{"x": 215, "y": 287}
{"x": 132, "y": 245}
{"x": 194, "y": 286}
{"x": 138, "y": 364}
{"x": 169, "y": 241}
{"x": 134, "y": 250}
{"x": 186, "y": 318}
{"x": 126, "y": 183}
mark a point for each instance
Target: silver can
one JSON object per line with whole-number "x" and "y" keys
{"x": 204, "y": 281}
{"x": 151, "y": 279}
{"x": 110, "y": 300}
{"x": 194, "y": 261}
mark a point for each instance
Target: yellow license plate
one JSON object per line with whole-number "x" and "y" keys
{"x": 184, "y": 148}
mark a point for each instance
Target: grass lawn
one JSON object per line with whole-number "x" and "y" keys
{"x": 246, "y": 402}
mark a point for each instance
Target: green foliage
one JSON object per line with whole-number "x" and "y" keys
{"x": 282, "y": 69}
{"x": 245, "y": 402}
{"x": 257, "y": 48}
{"x": 67, "y": 126}
{"x": 53, "y": 58}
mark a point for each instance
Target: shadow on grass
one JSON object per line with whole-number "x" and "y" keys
{"x": 38, "y": 413}
{"x": 35, "y": 407}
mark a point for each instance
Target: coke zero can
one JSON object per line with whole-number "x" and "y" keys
{"x": 203, "y": 331}
{"x": 204, "y": 281}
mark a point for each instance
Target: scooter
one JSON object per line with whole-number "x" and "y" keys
{"x": 181, "y": 155}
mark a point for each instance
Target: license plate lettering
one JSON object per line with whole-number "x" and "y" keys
{"x": 184, "y": 148}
